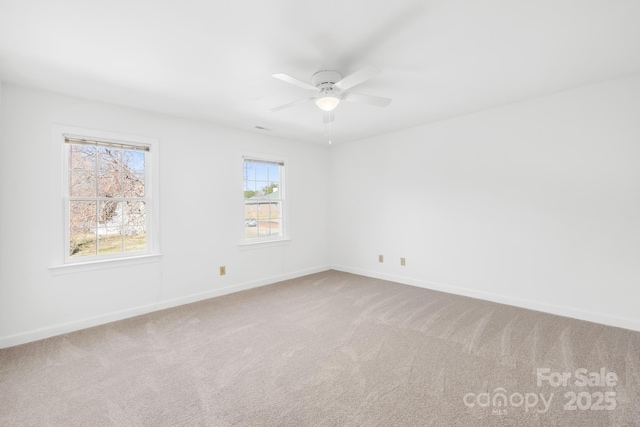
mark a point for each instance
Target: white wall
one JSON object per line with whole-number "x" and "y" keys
{"x": 200, "y": 200}
{"x": 535, "y": 204}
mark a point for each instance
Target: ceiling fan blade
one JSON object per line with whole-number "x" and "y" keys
{"x": 358, "y": 77}
{"x": 328, "y": 117}
{"x": 291, "y": 104}
{"x": 297, "y": 82}
{"x": 366, "y": 99}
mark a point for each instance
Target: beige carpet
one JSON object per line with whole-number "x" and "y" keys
{"x": 325, "y": 350}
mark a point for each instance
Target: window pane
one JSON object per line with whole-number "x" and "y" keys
{"x": 263, "y": 188}
{"x": 82, "y": 242}
{"x": 82, "y": 157}
{"x": 276, "y": 226}
{"x": 109, "y": 159}
{"x": 82, "y": 215}
{"x": 249, "y": 189}
{"x": 249, "y": 171}
{"x": 134, "y": 240}
{"x": 133, "y": 215}
{"x": 274, "y": 173}
{"x": 274, "y": 222}
{"x": 274, "y": 210}
{"x": 82, "y": 183}
{"x": 261, "y": 230}
{"x": 263, "y": 211}
{"x": 261, "y": 172}
{"x": 110, "y": 213}
{"x": 133, "y": 185}
{"x": 109, "y": 184}
{"x": 109, "y": 240}
{"x": 133, "y": 161}
{"x": 251, "y": 231}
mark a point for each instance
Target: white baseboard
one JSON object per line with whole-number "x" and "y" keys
{"x": 236, "y": 288}
{"x": 605, "y": 319}
{"x": 76, "y": 325}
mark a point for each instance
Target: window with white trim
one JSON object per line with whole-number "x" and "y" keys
{"x": 106, "y": 199}
{"x": 264, "y": 200}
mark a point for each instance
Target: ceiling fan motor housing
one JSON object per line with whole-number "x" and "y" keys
{"x": 325, "y": 79}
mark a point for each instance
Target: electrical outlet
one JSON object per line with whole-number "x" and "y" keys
{"x": 380, "y": 258}
{"x": 223, "y": 270}
{"x": 403, "y": 261}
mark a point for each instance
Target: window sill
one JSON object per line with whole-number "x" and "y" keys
{"x": 244, "y": 246}
{"x": 102, "y": 264}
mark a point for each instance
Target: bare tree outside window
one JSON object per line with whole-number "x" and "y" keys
{"x": 106, "y": 205}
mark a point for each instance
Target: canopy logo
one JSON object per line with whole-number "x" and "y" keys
{"x": 595, "y": 400}
{"x": 499, "y": 400}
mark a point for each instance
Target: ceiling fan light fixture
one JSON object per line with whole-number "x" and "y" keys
{"x": 327, "y": 102}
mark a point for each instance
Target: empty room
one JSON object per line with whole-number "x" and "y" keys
{"x": 293, "y": 213}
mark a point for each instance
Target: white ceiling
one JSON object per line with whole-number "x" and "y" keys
{"x": 213, "y": 60}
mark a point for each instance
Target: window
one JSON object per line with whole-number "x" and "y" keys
{"x": 108, "y": 211}
{"x": 106, "y": 206}
{"x": 264, "y": 201}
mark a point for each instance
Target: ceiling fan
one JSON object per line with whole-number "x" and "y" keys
{"x": 330, "y": 88}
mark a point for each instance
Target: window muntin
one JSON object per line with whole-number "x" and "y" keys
{"x": 264, "y": 202}
{"x": 106, "y": 203}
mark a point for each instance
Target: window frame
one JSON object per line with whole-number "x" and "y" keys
{"x": 282, "y": 189}
{"x": 61, "y": 258}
